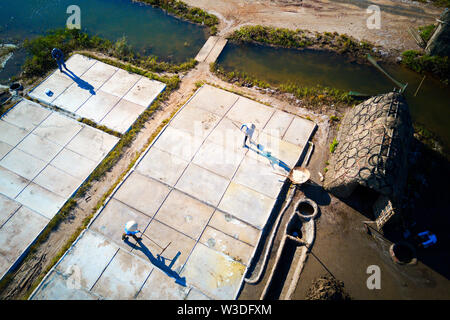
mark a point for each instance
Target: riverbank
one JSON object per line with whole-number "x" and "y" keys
{"x": 344, "y": 17}
{"x": 299, "y": 39}
{"x": 185, "y": 12}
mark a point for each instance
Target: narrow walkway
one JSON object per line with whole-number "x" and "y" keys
{"x": 211, "y": 49}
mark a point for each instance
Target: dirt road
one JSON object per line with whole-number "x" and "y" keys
{"x": 342, "y": 16}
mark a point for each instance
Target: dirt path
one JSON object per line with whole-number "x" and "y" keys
{"x": 342, "y": 16}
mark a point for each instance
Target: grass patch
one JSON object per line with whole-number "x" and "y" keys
{"x": 333, "y": 145}
{"x": 297, "y": 39}
{"x": 100, "y": 127}
{"x": 421, "y": 62}
{"x": 69, "y": 40}
{"x": 183, "y": 11}
{"x": 426, "y": 32}
{"x": 310, "y": 96}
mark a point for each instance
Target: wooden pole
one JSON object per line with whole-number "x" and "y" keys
{"x": 419, "y": 85}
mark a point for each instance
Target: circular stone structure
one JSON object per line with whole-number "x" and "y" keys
{"x": 306, "y": 209}
{"x": 403, "y": 253}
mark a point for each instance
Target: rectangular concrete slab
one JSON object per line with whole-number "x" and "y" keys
{"x": 185, "y": 214}
{"x": 86, "y": 261}
{"x": 142, "y": 193}
{"x": 72, "y": 99}
{"x": 79, "y": 64}
{"x": 218, "y": 159}
{"x": 145, "y": 91}
{"x": 39, "y": 147}
{"x": 213, "y": 273}
{"x": 57, "y": 287}
{"x": 5, "y": 265}
{"x": 235, "y": 228}
{"x": 162, "y": 235}
{"x": 41, "y": 200}
{"x": 98, "y": 74}
{"x": 26, "y": 115}
{"x": 11, "y": 183}
{"x": 4, "y": 149}
{"x": 219, "y": 241}
{"x": 196, "y": 121}
{"x": 300, "y": 131}
{"x": 120, "y": 83}
{"x": 58, "y": 129}
{"x": 56, "y": 84}
{"x": 278, "y": 124}
{"x": 22, "y": 164}
{"x": 282, "y": 153}
{"x": 248, "y": 111}
{"x": 92, "y": 143}
{"x": 202, "y": 184}
{"x": 13, "y": 240}
{"x": 123, "y": 278}
{"x": 159, "y": 286}
{"x": 162, "y": 166}
{"x": 57, "y": 181}
{"x": 78, "y": 166}
{"x": 213, "y": 99}
{"x": 247, "y": 205}
{"x": 179, "y": 143}
{"x": 195, "y": 294}
{"x": 98, "y": 106}
{"x": 228, "y": 134}
{"x": 112, "y": 219}
{"x": 259, "y": 176}
{"x": 11, "y": 134}
{"x": 7, "y": 208}
{"x": 122, "y": 116}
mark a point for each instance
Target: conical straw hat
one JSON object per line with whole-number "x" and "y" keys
{"x": 131, "y": 226}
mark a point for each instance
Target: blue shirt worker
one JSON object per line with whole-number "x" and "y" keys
{"x": 58, "y": 55}
{"x": 131, "y": 229}
{"x": 248, "y": 130}
{"x": 431, "y": 239}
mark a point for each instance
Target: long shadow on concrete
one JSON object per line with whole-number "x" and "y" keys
{"x": 273, "y": 160}
{"x": 159, "y": 261}
{"x": 80, "y": 82}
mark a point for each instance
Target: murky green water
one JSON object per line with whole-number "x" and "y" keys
{"x": 149, "y": 30}
{"x": 310, "y": 67}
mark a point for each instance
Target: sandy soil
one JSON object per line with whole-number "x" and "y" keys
{"x": 342, "y": 16}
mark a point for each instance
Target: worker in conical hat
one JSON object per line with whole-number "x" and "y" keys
{"x": 248, "y": 129}
{"x": 131, "y": 229}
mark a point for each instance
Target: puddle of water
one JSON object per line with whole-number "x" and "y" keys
{"x": 149, "y": 30}
{"x": 311, "y": 67}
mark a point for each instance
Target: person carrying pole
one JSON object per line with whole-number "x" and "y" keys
{"x": 58, "y": 55}
{"x": 131, "y": 229}
{"x": 248, "y": 130}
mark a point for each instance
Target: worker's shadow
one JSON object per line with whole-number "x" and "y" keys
{"x": 273, "y": 160}
{"x": 159, "y": 261}
{"x": 80, "y": 82}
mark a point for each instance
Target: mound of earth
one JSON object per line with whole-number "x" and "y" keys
{"x": 327, "y": 288}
